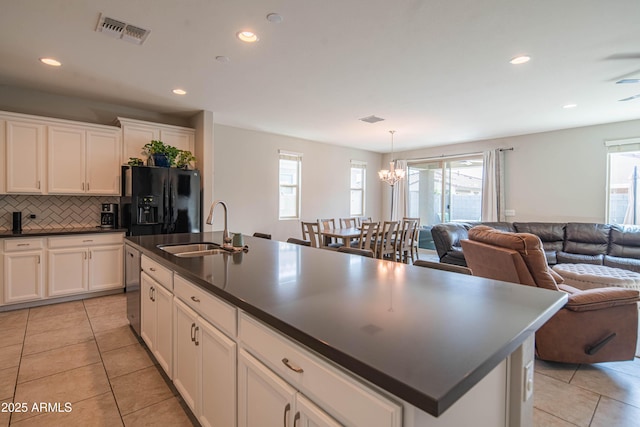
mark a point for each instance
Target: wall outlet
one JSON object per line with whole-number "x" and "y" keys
{"x": 32, "y": 216}
{"x": 509, "y": 212}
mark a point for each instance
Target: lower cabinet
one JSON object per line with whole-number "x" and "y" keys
{"x": 264, "y": 399}
{"x": 23, "y": 270}
{"x": 156, "y": 320}
{"x": 204, "y": 367}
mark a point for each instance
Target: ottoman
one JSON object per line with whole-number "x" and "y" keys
{"x": 590, "y": 276}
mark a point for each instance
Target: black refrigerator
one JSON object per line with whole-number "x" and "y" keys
{"x": 160, "y": 200}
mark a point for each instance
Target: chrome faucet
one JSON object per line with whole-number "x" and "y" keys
{"x": 226, "y": 239}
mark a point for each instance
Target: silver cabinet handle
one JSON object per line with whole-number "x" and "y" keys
{"x": 38, "y": 259}
{"x": 38, "y": 185}
{"x": 296, "y": 418}
{"x": 87, "y": 186}
{"x": 83, "y": 186}
{"x": 24, "y": 244}
{"x": 291, "y": 366}
{"x": 193, "y": 332}
{"x": 87, "y": 240}
{"x": 286, "y": 412}
{"x": 194, "y": 299}
{"x": 152, "y": 269}
{"x": 196, "y": 335}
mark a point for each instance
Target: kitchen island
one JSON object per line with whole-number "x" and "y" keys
{"x": 425, "y": 338}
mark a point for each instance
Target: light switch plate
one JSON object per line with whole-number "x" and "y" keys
{"x": 509, "y": 212}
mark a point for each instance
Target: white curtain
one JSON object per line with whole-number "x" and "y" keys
{"x": 493, "y": 186}
{"x": 400, "y": 194}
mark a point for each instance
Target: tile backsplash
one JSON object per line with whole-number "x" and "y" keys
{"x": 52, "y": 211}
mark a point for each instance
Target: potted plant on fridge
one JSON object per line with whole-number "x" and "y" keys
{"x": 163, "y": 155}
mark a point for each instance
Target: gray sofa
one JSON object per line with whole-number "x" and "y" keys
{"x": 573, "y": 242}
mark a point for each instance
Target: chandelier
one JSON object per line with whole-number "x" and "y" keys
{"x": 391, "y": 175}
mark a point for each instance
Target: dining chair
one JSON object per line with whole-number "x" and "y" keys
{"x": 362, "y": 219}
{"x": 403, "y": 240}
{"x": 368, "y": 237}
{"x": 385, "y": 244}
{"x": 415, "y": 238}
{"x": 356, "y": 251}
{"x": 311, "y": 232}
{"x": 328, "y": 224}
{"x": 348, "y": 222}
{"x": 298, "y": 241}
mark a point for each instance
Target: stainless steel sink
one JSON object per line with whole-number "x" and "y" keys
{"x": 193, "y": 249}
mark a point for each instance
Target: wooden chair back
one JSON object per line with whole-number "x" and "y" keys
{"x": 368, "y": 236}
{"x": 405, "y": 238}
{"x": 386, "y": 239}
{"x": 348, "y": 222}
{"x": 311, "y": 232}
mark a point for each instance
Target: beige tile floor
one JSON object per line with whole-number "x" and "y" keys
{"x": 84, "y": 353}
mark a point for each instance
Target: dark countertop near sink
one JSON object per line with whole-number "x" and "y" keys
{"x": 426, "y": 336}
{"x": 60, "y": 231}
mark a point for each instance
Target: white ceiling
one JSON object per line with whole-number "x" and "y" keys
{"x": 436, "y": 70}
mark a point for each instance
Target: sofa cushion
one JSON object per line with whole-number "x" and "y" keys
{"x": 625, "y": 241}
{"x": 568, "y": 258}
{"x": 586, "y": 238}
{"x": 502, "y": 226}
{"x": 596, "y": 299}
{"x": 527, "y": 245}
{"x": 446, "y": 236}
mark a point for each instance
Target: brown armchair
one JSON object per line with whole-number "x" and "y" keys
{"x": 596, "y": 325}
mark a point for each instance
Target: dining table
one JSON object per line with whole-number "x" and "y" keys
{"x": 344, "y": 234}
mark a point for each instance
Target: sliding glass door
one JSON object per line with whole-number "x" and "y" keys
{"x": 445, "y": 190}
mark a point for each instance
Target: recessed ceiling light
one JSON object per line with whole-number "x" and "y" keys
{"x": 520, "y": 60}
{"x": 51, "y": 61}
{"x": 179, "y": 92}
{"x": 221, "y": 58}
{"x": 566, "y": 107}
{"x": 274, "y": 18}
{"x": 247, "y": 36}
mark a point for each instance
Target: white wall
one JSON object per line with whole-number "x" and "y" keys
{"x": 246, "y": 177}
{"x": 552, "y": 176}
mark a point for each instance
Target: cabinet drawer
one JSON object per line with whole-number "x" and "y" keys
{"x": 85, "y": 240}
{"x": 210, "y": 307}
{"x": 163, "y": 275}
{"x": 12, "y": 245}
{"x": 343, "y": 396}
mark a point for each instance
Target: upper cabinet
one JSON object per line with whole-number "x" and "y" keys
{"x": 136, "y": 133}
{"x": 25, "y": 154}
{"x": 51, "y": 156}
{"x": 83, "y": 160}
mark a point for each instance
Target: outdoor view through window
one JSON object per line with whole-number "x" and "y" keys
{"x": 445, "y": 190}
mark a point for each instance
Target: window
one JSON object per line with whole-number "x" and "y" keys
{"x": 290, "y": 172}
{"x": 623, "y": 158}
{"x": 445, "y": 190}
{"x": 358, "y": 179}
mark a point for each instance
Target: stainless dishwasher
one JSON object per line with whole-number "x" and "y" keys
{"x": 132, "y": 286}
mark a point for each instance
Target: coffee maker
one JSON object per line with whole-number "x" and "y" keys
{"x": 109, "y": 215}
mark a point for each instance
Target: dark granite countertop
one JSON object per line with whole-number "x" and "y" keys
{"x": 426, "y": 336}
{"x": 60, "y": 231}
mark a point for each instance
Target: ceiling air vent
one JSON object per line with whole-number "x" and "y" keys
{"x": 121, "y": 30}
{"x": 371, "y": 119}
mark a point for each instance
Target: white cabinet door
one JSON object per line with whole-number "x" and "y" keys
{"x": 67, "y": 271}
{"x": 309, "y": 414}
{"x": 103, "y": 162}
{"x": 66, "y": 160}
{"x": 217, "y": 376}
{"x": 181, "y": 139}
{"x": 23, "y": 276}
{"x": 185, "y": 367}
{"x": 264, "y": 399}
{"x": 163, "y": 346}
{"x": 148, "y": 312}
{"x": 25, "y": 157}
{"x": 105, "y": 267}
{"x": 134, "y": 138}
